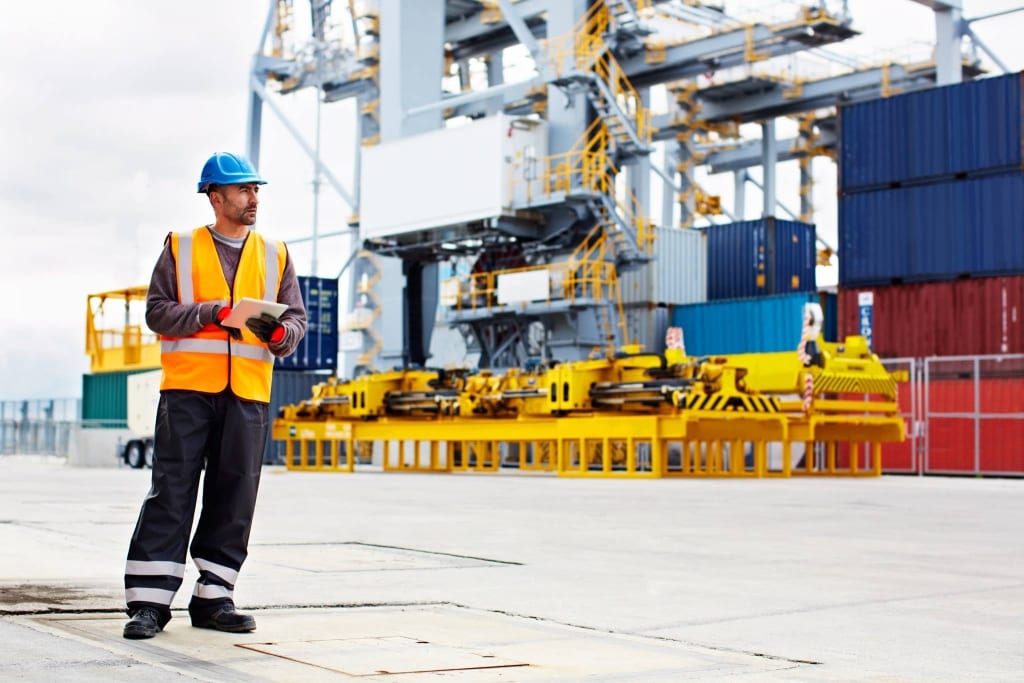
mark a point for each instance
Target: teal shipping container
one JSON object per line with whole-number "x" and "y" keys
{"x": 757, "y": 325}
{"x": 105, "y": 398}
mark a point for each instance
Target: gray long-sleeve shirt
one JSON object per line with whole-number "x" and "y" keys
{"x": 166, "y": 316}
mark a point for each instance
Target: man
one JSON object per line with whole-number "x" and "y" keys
{"x": 213, "y": 409}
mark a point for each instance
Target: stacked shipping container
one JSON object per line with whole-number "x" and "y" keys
{"x": 758, "y": 258}
{"x": 677, "y": 275}
{"x": 930, "y": 224}
{"x": 932, "y": 192}
{"x": 754, "y": 325}
{"x": 760, "y": 274}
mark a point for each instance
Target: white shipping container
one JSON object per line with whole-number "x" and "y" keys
{"x": 450, "y": 176}
{"x": 677, "y": 275}
{"x": 143, "y": 395}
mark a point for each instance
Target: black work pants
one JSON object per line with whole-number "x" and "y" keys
{"x": 228, "y": 435}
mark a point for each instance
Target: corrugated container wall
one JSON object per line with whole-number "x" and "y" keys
{"x": 318, "y": 350}
{"x": 761, "y": 257}
{"x": 677, "y": 275}
{"x": 971, "y": 227}
{"x": 288, "y": 388}
{"x": 935, "y": 134}
{"x": 757, "y": 325}
{"x": 956, "y": 318}
{"x": 105, "y": 398}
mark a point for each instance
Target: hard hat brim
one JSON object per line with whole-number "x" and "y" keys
{"x": 205, "y": 187}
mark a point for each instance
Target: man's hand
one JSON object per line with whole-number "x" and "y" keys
{"x": 219, "y": 314}
{"x": 266, "y": 328}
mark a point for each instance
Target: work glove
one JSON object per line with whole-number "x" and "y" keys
{"x": 266, "y": 328}
{"x": 219, "y": 314}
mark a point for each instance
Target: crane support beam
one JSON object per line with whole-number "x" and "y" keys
{"x": 987, "y": 50}
{"x": 332, "y": 180}
{"x": 515, "y": 89}
{"x": 771, "y": 99}
{"x": 748, "y": 154}
{"x": 940, "y": 5}
{"x": 727, "y": 49}
{"x": 519, "y": 27}
{"x": 472, "y": 33}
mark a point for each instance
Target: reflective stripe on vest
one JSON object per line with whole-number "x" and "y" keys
{"x": 216, "y": 346}
{"x": 186, "y": 293}
{"x": 208, "y": 361}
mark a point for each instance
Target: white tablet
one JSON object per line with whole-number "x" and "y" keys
{"x": 252, "y": 308}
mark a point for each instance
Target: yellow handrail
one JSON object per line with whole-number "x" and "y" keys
{"x": 586, "y": 274}
{"x": 587, "y": 166}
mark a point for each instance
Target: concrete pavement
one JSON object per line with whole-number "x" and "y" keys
{"x": 510, "y": 577}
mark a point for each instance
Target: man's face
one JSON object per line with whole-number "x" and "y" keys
{"x": 239, "y": 202}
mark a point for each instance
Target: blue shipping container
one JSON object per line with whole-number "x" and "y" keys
{"x": 319, "y": 349}
{"x": 759, "y": 325}
{"x": 970, "y": 128}
{"x": 762, "y": 257}
{"x": 924, "y": 233}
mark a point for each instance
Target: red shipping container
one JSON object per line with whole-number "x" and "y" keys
{"x": 956, "y": 318}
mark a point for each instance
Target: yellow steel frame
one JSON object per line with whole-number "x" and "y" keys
{"x": 591, "y": 445}
{"x": 125, "y": 346}
{"x": 598, "y": 418}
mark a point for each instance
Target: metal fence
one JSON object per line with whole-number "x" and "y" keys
{"x": 906, "y": 457}
{"x": 38, "y": 426}
{"x": 973, "y": 412}
{"x": 963, "y": 415}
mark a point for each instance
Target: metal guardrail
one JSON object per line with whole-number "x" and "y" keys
{"x": 38, "y": 426}
{"x": 964, "y": 415}
{"x": 973, "y": 414}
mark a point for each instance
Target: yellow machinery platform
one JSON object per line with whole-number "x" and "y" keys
{"x": 632, "y": 414}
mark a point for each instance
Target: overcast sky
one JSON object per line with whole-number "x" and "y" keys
{"x": 111, "y": 108}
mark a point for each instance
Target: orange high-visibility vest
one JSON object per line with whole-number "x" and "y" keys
{"x": 209, "y": 361}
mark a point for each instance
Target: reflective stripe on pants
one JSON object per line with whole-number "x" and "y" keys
{"x": 228, "y": 435}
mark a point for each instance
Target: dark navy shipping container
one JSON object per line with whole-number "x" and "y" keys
{"x": 758, "y": 325}
{"x": 970, "y": 128}
{"x": 761, "y": 257}
{"x": 961, "y": 228}
{"x": 319, "y": 349}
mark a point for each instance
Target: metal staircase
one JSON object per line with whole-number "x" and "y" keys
{"x": 630, "y": 134}
{"x": 583, "y": 61}
{"x": 367, "y": 310}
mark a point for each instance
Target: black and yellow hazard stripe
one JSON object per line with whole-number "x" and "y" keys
{"x": 827, "y": 383}
{"x": 733, "y": 403}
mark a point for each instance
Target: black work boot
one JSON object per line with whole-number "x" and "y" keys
{"x": 145, "y": 623}
{"x": 226, "y": 619}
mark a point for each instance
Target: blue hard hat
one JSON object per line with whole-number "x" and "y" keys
{"x": 224, "y": 168}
